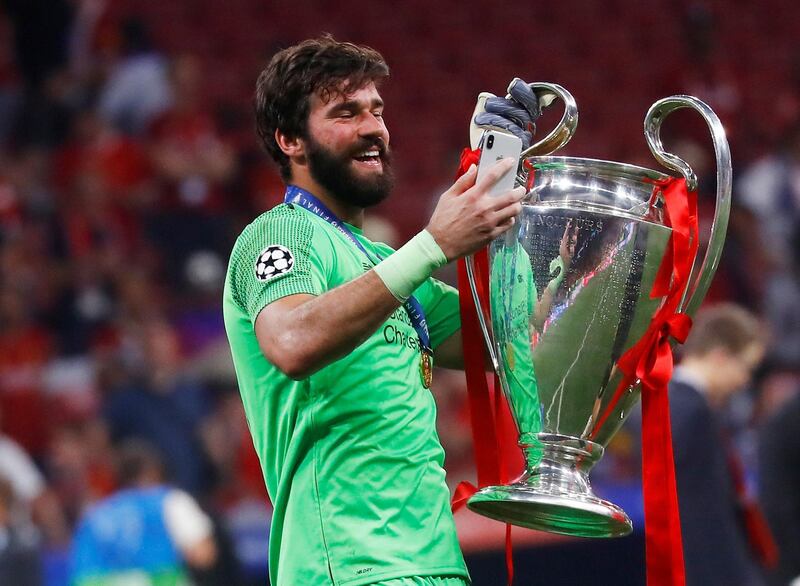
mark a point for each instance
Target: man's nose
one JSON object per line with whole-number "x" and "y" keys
{"x": 373, "y": 126}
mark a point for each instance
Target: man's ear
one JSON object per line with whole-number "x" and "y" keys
{"x": 292, "y": 147}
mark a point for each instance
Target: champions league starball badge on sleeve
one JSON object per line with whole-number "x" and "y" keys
{"x": 566, "y": 341}
{"x": 273, "y": 261}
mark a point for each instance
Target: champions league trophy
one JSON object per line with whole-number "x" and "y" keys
{"x": 569, "y": 293}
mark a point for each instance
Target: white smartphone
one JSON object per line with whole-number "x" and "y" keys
{"x": 496, "y": 146}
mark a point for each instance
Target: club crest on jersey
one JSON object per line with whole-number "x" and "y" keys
{"x": 275, "y": 260}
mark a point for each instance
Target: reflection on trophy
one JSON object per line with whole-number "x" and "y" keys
{"x": 569, "y": 294}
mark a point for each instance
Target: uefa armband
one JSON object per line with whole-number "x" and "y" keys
{"x": 408, "y": 267}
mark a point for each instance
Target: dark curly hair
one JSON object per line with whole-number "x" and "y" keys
{"x": 286, "y": 84}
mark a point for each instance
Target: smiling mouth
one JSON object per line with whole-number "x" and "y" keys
{"x": 371, "y": 157}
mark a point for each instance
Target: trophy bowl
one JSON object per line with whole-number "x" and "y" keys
{"x": 569, "y": 293}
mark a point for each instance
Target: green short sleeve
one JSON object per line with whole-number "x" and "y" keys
{"x": 274, "y": 257}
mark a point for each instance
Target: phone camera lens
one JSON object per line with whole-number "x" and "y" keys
{"x": 490, "y": 141}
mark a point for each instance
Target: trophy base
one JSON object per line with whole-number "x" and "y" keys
{"x": 555, "y": 494}
{"x": 578, "y": 516}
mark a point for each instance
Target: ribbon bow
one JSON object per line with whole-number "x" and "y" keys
{"x": 654, "y": 366}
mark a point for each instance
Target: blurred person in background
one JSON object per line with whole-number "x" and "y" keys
{"x": 770, "y": 189}
{"x": 192, "y": 166}
{"x": 137, "y": 88}
{"x": 722, "y": 539}
{"x": 146, "y": 533}
{"x": 781, "y": 302}
{"x": 26, "y": 347}
{"x": 26, "y": 483}
{"x": 34, "y": 510}
{"x": 779, "y": 483}
{"x": 117, "y": 163}
{"x": 41, "y": 38}
{"x": 239, "y": 494}
{"x": 19, "y": 556}
{"x": 80, "y": 464}
{"x": 333, "y": 359}
{"x": 154, "y": 400}
{"x": 185, "y": 144}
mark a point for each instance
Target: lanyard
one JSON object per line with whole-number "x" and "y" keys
{"x": 301, "y": 197}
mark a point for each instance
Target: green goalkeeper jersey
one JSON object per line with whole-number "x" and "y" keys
{"x": 350, "y": 455}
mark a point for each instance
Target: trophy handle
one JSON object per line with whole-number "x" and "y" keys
{"x": 564, "y": 130}
{"x": 486, "y": 328}
{"x": 652, "y": 128}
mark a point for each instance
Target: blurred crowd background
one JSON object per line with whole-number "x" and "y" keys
{"x": 129, "y": 163}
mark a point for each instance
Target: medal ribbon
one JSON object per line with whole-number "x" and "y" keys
{"x": 493, "y": 431}
{"x": 650, "y": 362}
{"x": 301, "y": 197}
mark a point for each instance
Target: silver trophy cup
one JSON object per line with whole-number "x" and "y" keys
{"x": 569, "y": 293}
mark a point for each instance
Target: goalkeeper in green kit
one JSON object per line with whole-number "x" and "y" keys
{"x": 334, "y": 336}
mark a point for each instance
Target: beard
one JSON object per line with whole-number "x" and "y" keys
{"x": 334, "y": 172}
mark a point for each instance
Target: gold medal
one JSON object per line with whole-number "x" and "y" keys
{"x": 426, "y": 369}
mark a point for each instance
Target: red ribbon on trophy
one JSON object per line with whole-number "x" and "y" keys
{"x": 650, "y": 362}
{"x": 493, "y": 431}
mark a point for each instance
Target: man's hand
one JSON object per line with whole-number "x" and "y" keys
{"x": 467, "y": 218}
{"x": 566, "y": 248}
{"x": 516, "y": 113}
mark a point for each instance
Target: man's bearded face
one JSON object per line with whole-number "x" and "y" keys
{"x": 360, "y": 175}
